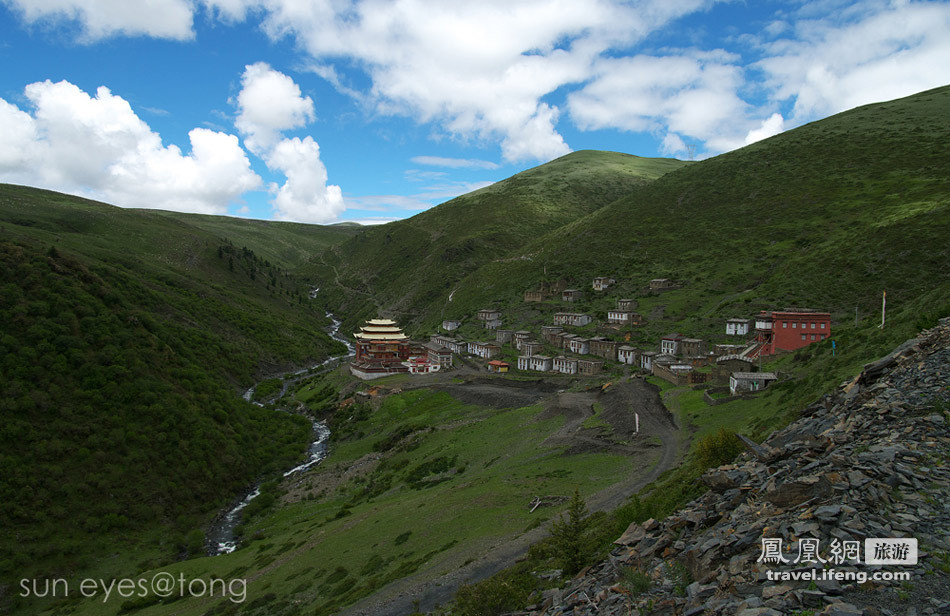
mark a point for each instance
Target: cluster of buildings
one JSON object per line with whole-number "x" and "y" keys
{"x": 782, "y": 330}
{"x": 382, "y": 348}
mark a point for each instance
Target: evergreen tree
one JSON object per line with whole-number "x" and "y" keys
{"x": 568, "y": 536}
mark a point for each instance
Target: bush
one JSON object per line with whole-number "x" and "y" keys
{"x": 717, "y": 449}
{"x": 496, "y": 595}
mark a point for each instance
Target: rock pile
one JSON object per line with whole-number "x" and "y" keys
{"x": 868, "y": 461}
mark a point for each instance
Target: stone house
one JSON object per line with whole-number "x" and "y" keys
{"x": 626, "y": 304}
{"x": 450, "y": 325}
{"x": 741, "y": 382}
{"x": 589, "y": 367}
{"x": 571, "y": 295}
{"x": 659, "y": 284}
{"x": 531, "y": 347}
{"x": 492, "y": 323}
{"x": 550, "y": 334}
{"x": 692, "y": 347}
{"x": 488, "y": 314}
{"x": 520, "y": 336}
{"x": 533, "y": 296}
{"x": 504, "y": 336}
{"x": 601, "y": 347}
{"x": 601, "y": 283}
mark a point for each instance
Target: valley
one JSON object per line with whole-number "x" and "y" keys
{"x": 158, "y": 367}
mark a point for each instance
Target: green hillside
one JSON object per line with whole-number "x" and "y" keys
{"x": 826, "y": 216}
{"x": 410, "y": 266}
{"x": 126, "y": 339}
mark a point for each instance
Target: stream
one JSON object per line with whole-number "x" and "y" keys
{"x": 221, "y": 538}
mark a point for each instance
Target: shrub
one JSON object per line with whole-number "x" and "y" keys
{"x": 717, "y": 449}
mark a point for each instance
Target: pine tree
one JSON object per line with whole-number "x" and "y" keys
{"x": 568, "y": 536}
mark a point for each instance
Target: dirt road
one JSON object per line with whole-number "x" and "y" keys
{"x": 623, "y": 406}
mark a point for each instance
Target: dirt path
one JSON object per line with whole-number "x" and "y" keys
{"x": 654, "y": 450}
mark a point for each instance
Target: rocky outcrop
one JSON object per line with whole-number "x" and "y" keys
{"x": 868, "y": 461}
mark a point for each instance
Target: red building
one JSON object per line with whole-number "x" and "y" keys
{"x": 788, "y": 330}
{"x": 381, "y": 349}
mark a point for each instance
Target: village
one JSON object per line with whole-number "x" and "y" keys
{"x": 724, "y": 369}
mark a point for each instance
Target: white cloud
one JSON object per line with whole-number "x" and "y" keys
{"x": 479, "y": 70}
{"x": 872, "y": 52}
{"x": 454, "y": 163}
{"x": 771, "y": 126}
{"x": 269, "y": 102}
{"x": 169, "y": 19}
{"x": 694, "y": 95}
{"x": 305, "y": 196}
{"x": 98, "y": 147}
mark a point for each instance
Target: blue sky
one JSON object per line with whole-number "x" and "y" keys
{"x": 373, "y": 110}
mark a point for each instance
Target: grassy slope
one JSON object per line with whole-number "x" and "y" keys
{"x": 124, "y": 335}
{"x": 333, "y": 547}
{"x": 409, "y": 267}
{"x": 827, "y": 216}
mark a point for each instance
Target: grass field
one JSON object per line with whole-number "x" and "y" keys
{"x": 440, "y": 481}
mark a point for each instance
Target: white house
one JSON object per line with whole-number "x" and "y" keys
{"x": 571, "y": 318}
{"x": 620, "y": 316}
{"x": 737, "y": 327}
{"x": 628, "y": 355}
{"x": 646, "y": 360}
{"x": 750, "y": 381}
{"x": 565, "y": 365}
{"x": 450, "y": 325}
{"x": 581, "y": 346}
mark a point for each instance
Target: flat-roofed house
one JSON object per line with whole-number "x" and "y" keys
{"x": 540, "y": 363}
{"x": 533, "y": 296}
{"x": 737, "y": 327}
{"x": 550, "y": 333}
{"x": 520, "y": 336}
{"x": 589, "y": 367}
{"x": 485, "y": 350}
{"x": 488, "y": 314}
{"x": 571, "y": 295}
{"x": 492, "y": 323}
{"x": 451, "y": 325}
{"x": 646, "y": 360}
{"x": 626, "y": 304}
{"x": 439, "y": 354}
{"x": 574, "y": 319}
{"x": 629, "y": 355}
{"x": 565, "y": 365}
{"x": 602, "y": 283}
{"x": 579, "y": 345}
{"x": 692, "y": 347}
{"x": 658, "y": 284}
{"x": 531, "y": 347}
{"x": 622, "y": 317}
{"x": 670, "y": 343}
{"x": 750, "y": 381}
{"x": 601, "y": 347}
{"x": 504, "y": 336}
